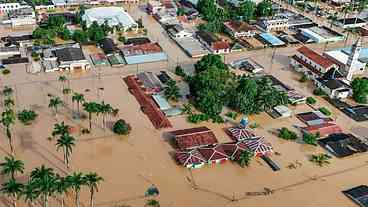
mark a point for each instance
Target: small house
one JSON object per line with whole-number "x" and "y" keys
{"x": 178, "y": 31}
{"x": 214, "y": 44}
{"x": 214, "y": 154}
{"x": 240, "y": 29}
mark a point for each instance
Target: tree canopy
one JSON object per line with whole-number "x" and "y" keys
{"x": 246, "y": 10}
{"x": 360, "y": 90}
{"x": 264, "y": 9}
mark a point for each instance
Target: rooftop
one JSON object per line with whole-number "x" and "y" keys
{"x": 239, "y": 26}
{"x": 315, "y": 57}
{"x": 69, "y": 54}
{"x": 194, "y": 137}
{"x": 113, "y": 15}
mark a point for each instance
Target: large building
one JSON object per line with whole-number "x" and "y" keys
{"x": 8, "y": 7}
{"x": 23, "y": 16}
{"x": 274, "y": 23}
{"x": 114, "y": 16}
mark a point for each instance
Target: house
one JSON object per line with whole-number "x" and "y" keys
{"x": 283, "y": 111}
{"x": 240, "y": 29}
{"x": 154, "y": 7}
{"x": 194, "y": 138}
{"x": 333, "y": 86}
{"x": 64, "y": 57}
{"x": 358, "y": 194}
{"x": 247, "y": 64}
{"x": 343, "y": 145}
{"x": 240, "y": 133}
{"x": 294, "y": 96}
{"x": 311, "y": 63}
{"x": 143, "y": 53}
{"x": 274, "y": 23}
{"x": 348, "y": 23}
{"x": 178, "y": 31}
{"x": 214, "y": 44}
{"x": 150, "y": 82}
{"x": 258, "y": 146}
{"x": 190, "y": 159}
{"x": 108, "y": 46}
{"x": 214, "y": 154}
{"x": 9, "y": 51}
{"x": 24, "y": 16}
{"x": 234, "y": 149}
{"x": 321, "y": 34}
{"x": 313, "y": 118}
{"x": 323, "y": 129}
{"x": 9, "y": 7}
{"x": 48, "y": 6}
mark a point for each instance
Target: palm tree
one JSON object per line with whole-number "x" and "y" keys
{"x": 78, "y": 98}
{"x": 153, "y": 203}
{"x": 13, "y": 189}
{"x": 92, "y": 180}
{"x": 91, "y": 108}
{"x": 187, "y": 109}
{"x": 244, "y": 158}
{"x": 11, "y": 166}
{"x": 60, "y": 129}
{"x": 66, "y": 142}
{"x": 30, "y": 192}
{"x": 55, "y": 102}
{"x": 7, "y": 91}
{"x": 44, "y": 179}
{"x": 76, "y": 181}
{"x": 172, "y": 91}
{"x": 7, "y": 119}
{"x": 61, "y": 187}
{"x": 62, "y": 79}
{"x": 105, "y": 109}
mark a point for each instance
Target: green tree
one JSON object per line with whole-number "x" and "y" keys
{"x": 45, "y": 180}
{"x": 30, "y": 192}
{"x": 92, "y": 180}
{"x": 60, "y": 129}
{"x": 9, "y": 103}
{"x": 286, "y": 134}
{"x": 96, "y": 32}
{"x": 208, "y": 61}
{"x": 61, "y": 188}
{"x": 76, "y": 181}
{"x": 245, "y": 158}
{"x": 7, "y": 91}
{"x": 80, "y": 36}
{"x": 66, "y": 142}
{"x": 264, "y": 9}
{"x": 56, "y": 21}
{"x": 62, "y": 79}
{"x": 11, "y": 166}
{"x": 246, "y": 10}
{"x": 105, "y": 109}
{"x": 121, "y": 127}
{"x": 7, "y": 120}
{"x": 360, "y": 90}
{"x": 27, "y": 116}
{"x": 208, "y": 9}
{"x": 13, "y": 189}
{"x": 152, "y": 203}
{"x": 55, "y": 103}
{"x": 172, "y": 91}
{"x": 310, "y": 139}
{"x": 91, "y": 108}
{"x": 78, "y": 98}
{"x": 65, "y": 34}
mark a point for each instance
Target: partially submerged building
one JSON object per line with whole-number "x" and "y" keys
{"x": 24, "y": 16}
{"x": 239, "y": 29}
{"x": 143, "y": 53}
{"x": 343, "y": 145}
{"x": 213, "y": 43}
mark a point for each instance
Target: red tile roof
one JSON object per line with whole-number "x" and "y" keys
{"x": 194, "y": 137}
{"x": 234, "y": 149}
{"x": 188, "y": 158}
{"x": 220, "y": 45}
{"x": 157, "y": 117}
{"x": 213, "y": 153}
{"x": 238, "y": 26}
{"x": 323, "y": 129}
{"x": 315, "y": 57}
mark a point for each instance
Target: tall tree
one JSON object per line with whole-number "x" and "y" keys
{"x": 66, "y": 142}
{"x": 91, "y": 108}
{"x": 7, "y": 120}
{"x": 60, "y": 129}
{"x": 264, "y": 9}
{"x": 45, "y": 180}
{"x": 105, "y": 109}
{"x": 61, "y": 188}
{"x": 7, "y": 91}
{"x": 62, "y": 79}
{"x": 360, "y": 90}
{"x": 92, "y": 180}
{"x": 31, "y": 193}
{"x": 11, "y": 166}
{"x": 55, "y": 103}
{"x": 172, "y": 91}
{"x": 244, "y": 158}
{"x": 13, "y": 189}
{"x": 76, "y": 181}
{"x": 246, "y": 10}
{"x": 78, "y": 98}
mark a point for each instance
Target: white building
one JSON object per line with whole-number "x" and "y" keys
{"x": 311, "y": 63}
{"x": 178, "y": 31}
{"x": 7, "y": 7}
{"x": 114, "y": 16}
{"x": 45, "y": 7}
{"x": 351, "y": 23}
{"x": 348, "y": 62}
{"x": 240, "y": 29}
{"x": 274, "y": 23}
{"x": 334, "y": 88}
{"x": 214, "y": 44}
{"x": 21, "y": 17}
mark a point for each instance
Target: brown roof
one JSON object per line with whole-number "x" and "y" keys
{"x": 157, "y": 117}
{"x": 323, "y": 129}
{"x": 234, "y": 149}
{"x": 315, "y": 57}
{"x": 220, "y": 45}
{"x": 194, "y": 137}
{"x": 190, "y": 157}
{"x": 213, "y": 153}
{"x": 239, "y": 26}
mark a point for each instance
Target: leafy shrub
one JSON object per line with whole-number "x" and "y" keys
{"x": 319, "y": 92}
{"x": 197, "y": 118}
{"x": 217, "y": 119}
{"x": 122, "y": 39}
{"x": 311, "y": 100}
{"x": 232, "y": 114}
{"x": 121, "y": 127}
{"x": 286, "y": 134}
{"x": 303, "y": 78}
{"x": 310, "y": 138}
{"x": 27, "y": 116}
{"x": 179, "y": 71}
{"x": 254, "y": 125}
{"x": 325, "y": 111}
{"x": 5, "y": 71}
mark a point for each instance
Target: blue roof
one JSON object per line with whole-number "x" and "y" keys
{"x": 272, "y": 39}
{"x": 145, "y": 58}
{"x": 363, "y": 55}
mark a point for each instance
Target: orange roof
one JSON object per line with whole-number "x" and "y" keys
{"x": 220, "y": 45}
{"x": 315, "y": 57}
